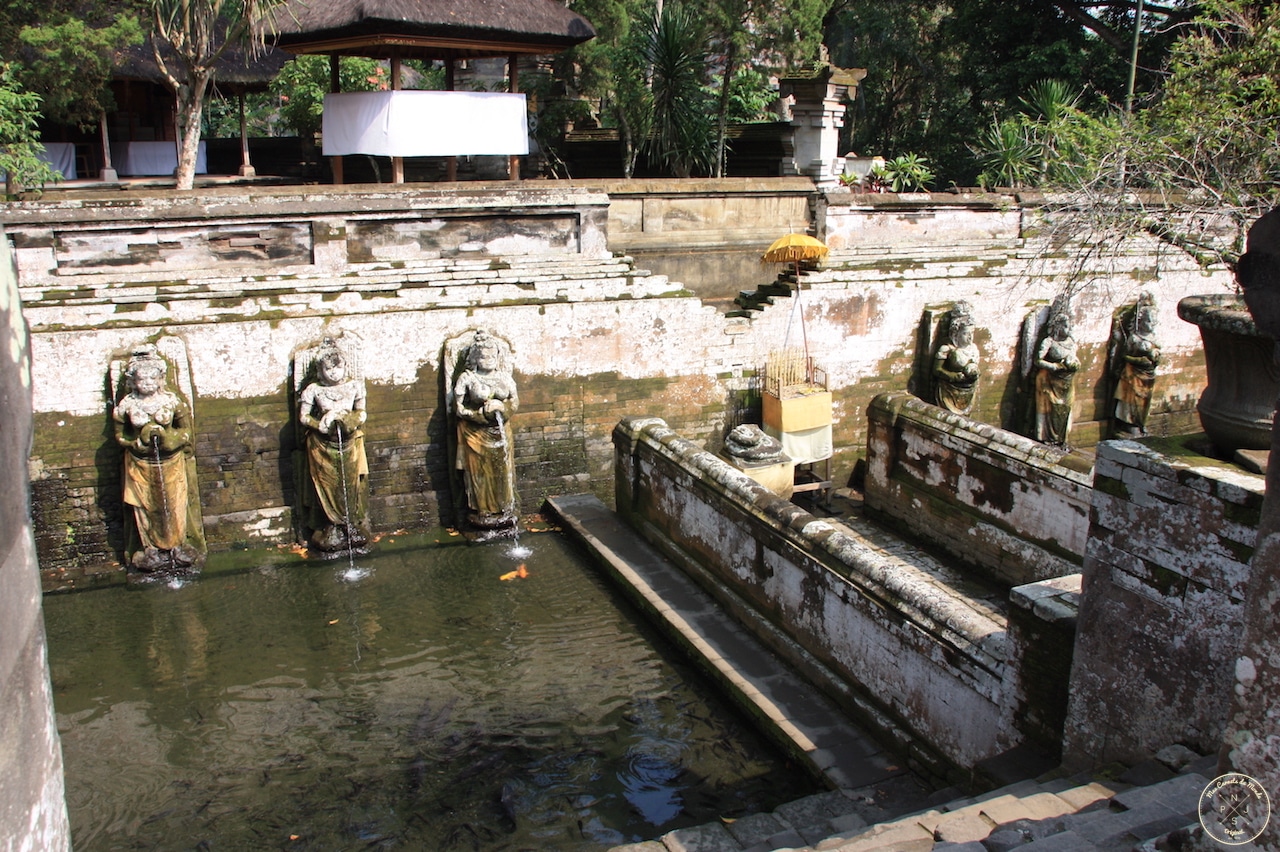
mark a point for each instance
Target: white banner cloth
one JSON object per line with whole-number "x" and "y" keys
{"x": 155, "y": 158}
{"x": 425, "y": 124}
{"x": 62, "y": 157}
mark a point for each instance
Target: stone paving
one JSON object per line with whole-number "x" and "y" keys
{"x": 1080, "y": 813}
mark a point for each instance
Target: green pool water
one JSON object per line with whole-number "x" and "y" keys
{"x": 415, "y": 700}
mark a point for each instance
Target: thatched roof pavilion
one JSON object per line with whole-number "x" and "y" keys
{"x": 447, "y": 30}
{"x": 426, "y": 29}
{"x": 238, "y": 70}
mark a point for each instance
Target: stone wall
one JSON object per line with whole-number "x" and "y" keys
{"x": 247, "y": 277}
{"x": 883, "y": 629}
{"x": 1165, "y": 576}
{"x": 706, "y": 234}
{"x": 33, "y": 813}
{"x": 1012, "y": 508}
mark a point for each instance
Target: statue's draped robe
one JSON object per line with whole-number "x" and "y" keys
{"x": 1133, "y": 392}
{"x": 1055, "y": 394}
{"x": 485, "y": 459}
{"x": 485, "y": 455}
{"x": 157, "y": 491}
{"x": 338, "y": 470}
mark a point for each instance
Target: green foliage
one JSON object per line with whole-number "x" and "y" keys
{"x": 222, "y": 116}
{"x": 302, "y": 84}
{"x": 939, "y": 72}
{"x": 1194, "y": 166}
{"x": 905, "y": 173}
{"x": 674, "y": 48}
{"x": 1042, "y": 145}
{"x": 1216, "y": 120}
{"x": 20, "y": 146}
{"x": 750, "y": 96}
{"x": 1009, "y": 153}
{"x": 66, "y": 58}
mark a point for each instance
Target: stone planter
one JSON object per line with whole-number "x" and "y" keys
{"x": 1236, "y": 408}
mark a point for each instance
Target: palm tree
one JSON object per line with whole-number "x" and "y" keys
{"x": 675, "y": 49}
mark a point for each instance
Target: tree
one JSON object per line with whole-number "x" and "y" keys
{"x": 303, "y": 82}
{"x": 1199, "y": 162}
{"x": 199, "y": 32}
{"x": 746, "y": 30}
{"x": 674, "y": 49}
{"x": 940, "y": 73}
{"x": 19, "y": 140}
{"x": 68, "y": 61}
{"x": 1194, "y": 166}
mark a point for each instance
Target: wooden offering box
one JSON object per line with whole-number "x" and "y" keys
{"x": 797, "y": 408}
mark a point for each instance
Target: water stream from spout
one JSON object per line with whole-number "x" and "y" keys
{"x": 164, "y": 496}
{"x": 352, "y": 573}
{"x": 516, "y": 552}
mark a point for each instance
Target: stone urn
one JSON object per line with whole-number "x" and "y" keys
{"x": 1243, "y": 381}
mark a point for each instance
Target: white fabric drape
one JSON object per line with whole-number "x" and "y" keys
{"x": 425, "y": 124}
{"x": 154, "y": 158}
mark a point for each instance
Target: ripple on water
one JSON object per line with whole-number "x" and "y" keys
{"x": 426, "y": 704}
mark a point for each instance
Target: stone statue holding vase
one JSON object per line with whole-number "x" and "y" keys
{"x": 482, "y": 399}
{"x": 153, "y": 425}
{"x": 1135, "y": 354}
{"x": 955, "y": 364}
{"x": 1056, "y": 365}
{"x": 331, "y": 414}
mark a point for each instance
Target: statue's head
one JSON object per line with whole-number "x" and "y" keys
{"x": 331, "y": 364}
{"x": 1144, "y": 314}
{"x": 485, "y": 353}
{"x": 145, "y": 371}
{"x": 961, "y": 328}
{"x": 1060, "y": 327}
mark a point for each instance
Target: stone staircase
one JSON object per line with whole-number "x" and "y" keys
{"x": 1053, "y": 813}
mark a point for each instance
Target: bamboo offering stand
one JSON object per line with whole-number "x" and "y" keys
{"x": 796, "y": 409}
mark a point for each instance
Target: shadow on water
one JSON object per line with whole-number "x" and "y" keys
{"x": 417, "y": 700}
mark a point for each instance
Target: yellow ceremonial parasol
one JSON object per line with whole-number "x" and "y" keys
{"x": 794, "y": 248}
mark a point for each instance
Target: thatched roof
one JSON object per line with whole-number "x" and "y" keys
{"x": 426, "y": 29}
{"x": 237, "y": 69}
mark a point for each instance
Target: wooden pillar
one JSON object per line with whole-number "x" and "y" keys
{"x": 246, "y": 168}
{"x": 335, "y": 85}
{"x": 513, "y": 78}
{"x": 450, "y": 163}
{"x": 397, "y": 163}
{"x": 108, "y": 170}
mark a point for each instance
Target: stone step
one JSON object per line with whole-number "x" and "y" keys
{"x": 1056, "y": 815}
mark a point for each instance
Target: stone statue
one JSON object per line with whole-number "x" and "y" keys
{"x": 1056, "y": 365}
{"x": 955, "y": 364}
{"x": 483, "y": 400}
{"x": 154, "y": 427}
{"x": 749, "y": 443}
{"x": 331, "y": 412}
{"x": 1135, "y": 354}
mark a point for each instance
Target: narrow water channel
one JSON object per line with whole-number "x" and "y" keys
{"x": 417, "y": 701}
